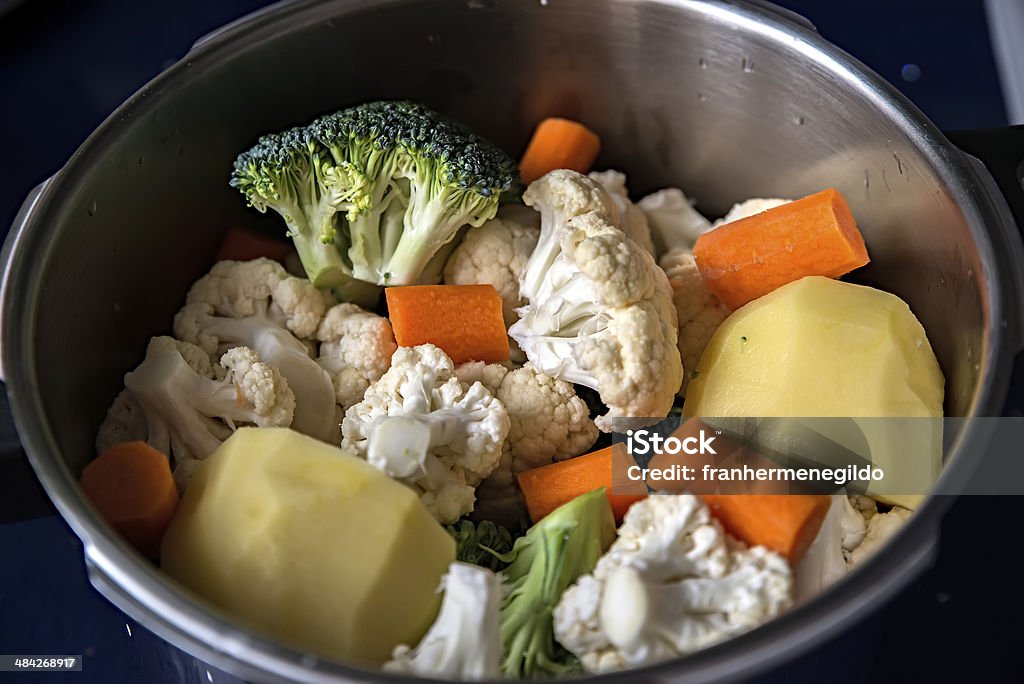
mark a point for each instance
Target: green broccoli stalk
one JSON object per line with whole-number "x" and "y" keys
{"x": 414, "y": 178}
{"x": 542, "y": 565}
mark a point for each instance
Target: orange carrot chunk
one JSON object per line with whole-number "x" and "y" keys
{"x": 130, "y": 484}
{"x": 559, "y": 144}
{"x": 745, "y": 259}
{"x": 463, "y": 320}
{"x": 786, "y": 523}
{"x": 244, "y": 245}
{"x": 548, "y": 487}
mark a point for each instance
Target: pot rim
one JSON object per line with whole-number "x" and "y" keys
{"x": 156, "y": 601}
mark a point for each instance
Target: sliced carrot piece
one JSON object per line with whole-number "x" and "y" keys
{"x": 130, "y": 484}
{"x": 559, "y": 144}
{"x": 463, "y": 320}
{"x": 786, "y": 523}
{"x": 745, "y": 259}
{"x": 548, "y": 487}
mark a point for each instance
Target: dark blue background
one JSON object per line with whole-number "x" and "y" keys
{"x": 65, "y": 65}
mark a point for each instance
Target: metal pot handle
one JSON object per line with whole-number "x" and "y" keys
{"x": 1001, "y": 151}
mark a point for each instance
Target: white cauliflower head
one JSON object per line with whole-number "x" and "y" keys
{"x": 355, "y": 349}
{"x": 880, "y": 528}
{"x": 631, "y": 218}
{"x": 548, "y": 422}
{"x": 671, "y": 584}
{"x": 675, "y": 224}
{"x": 464, "y": 643}
{"x": 599, "y": 309}
{"x": 189, "y": 409}
{"x": 698, "y": 309}
{"x": 258, "y": 305}
{"x": 421, "y": 425}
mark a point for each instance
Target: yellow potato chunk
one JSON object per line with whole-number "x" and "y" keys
{"x": 309, "y": 545}
{"x": 819, "y": 347}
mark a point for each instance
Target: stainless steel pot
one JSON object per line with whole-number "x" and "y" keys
{"x": 726, "y": 99}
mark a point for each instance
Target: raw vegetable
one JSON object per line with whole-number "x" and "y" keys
{"x": 548, "y": 487}
{"x": 548, "y": 422}
{"x": 671, "y": 584}
{"x": 813, "y": 236}
{"x": 309, "y": 545}
{"x": 825, "y": 563}
{"x": 465, "y": 321}
{"x": 559, "y": 144}
{"x": 481, "y": 544}
{"x": 422, "y": 426}
{"x": 183, "y": 407}
{"x": 675, "y": 224}
{"x": 788, "y": 354}
{"x": 631, "y": 218}
{"x": 375, "y": 191}
{"x": 852, "y": 531}
{"x": 464, "y": 641}
{"x": 784, "y": 523}
{"x": 554, "y": 552}
{"x": 241, "y": 244}
{"x": 600, "y": 310}
{"x": 130, "y": 484}
{"x": 258, "y": 305}
{"x": 355, "y": 350}
{"x": 699, "y": 311}
{"x": 881, "y": 526}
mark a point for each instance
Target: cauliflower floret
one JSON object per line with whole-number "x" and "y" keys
{"x": 175, "y": 401}
{"x": 125, "y": 422}
{"x": 355, "y": 349}
{"x": 698, "y": 309}
{"x": 422, "y": 426}
{"x": 823, "y": 563}
{"x": 852, "y": 531}
{"x": 465, "y": 641}
{"x": 631, "y": 218}
{"x": 881, "y": 528}
{"x": 675, "y": 224}
{"x": 864, "y": 505}
{"x": 258, "y": 305}
{"x": 548, "y": 423}
{"x": 747, "y": 208}
{"x": 600, "y": 310}
{"x": 671, "y": 584}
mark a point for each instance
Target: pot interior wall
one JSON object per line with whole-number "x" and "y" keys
{"x": 680, "y": 94}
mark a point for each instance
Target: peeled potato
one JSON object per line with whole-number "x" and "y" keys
{"x": 309, "y": 545}
{"x": 819, "y": 347}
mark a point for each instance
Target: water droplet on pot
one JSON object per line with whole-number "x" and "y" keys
{"x": 142, "y": 160}
{"x": 701, "y": 97}
{"x": 748, "y": 65}
{"x": 702, "y": 63}
{"x": 91, "y": 210}
{"x": 799, "y": 120}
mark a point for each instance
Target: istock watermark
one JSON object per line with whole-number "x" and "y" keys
{"x": 644, "y": 442}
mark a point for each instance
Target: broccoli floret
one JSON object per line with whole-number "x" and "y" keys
{"x": 376, "y": 191}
